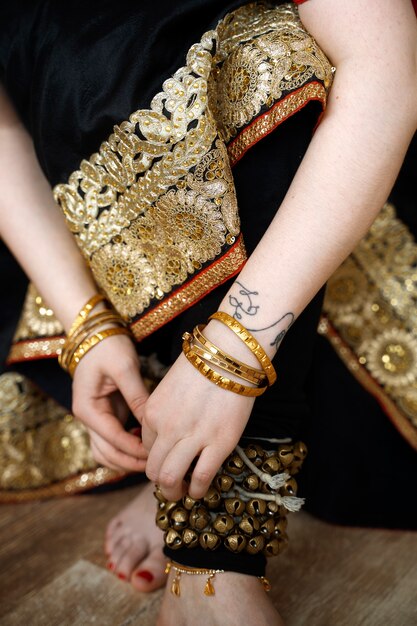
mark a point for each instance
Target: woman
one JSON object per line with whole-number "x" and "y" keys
{"x": 359, "y": 143}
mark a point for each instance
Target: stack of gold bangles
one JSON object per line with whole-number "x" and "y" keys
{"x": 87, "y": 330}
{"x": 202, "y": 354}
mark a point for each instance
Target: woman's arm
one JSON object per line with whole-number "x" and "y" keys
{"x": 34, "y": 229}
{"x": 344, "y": 179}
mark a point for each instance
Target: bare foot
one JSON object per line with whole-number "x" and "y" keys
{"x": 134, "y": 543}
{"x": 238, "y": 599}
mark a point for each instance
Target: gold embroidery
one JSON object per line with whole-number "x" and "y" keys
{"x": 266, "y": 122}
{"x": 35, "y": 349}
{"x": 37, "y": 319}
{"x": 262, "y": 56}
{"x": 157, "y": 201}
{"x": 371, "y": 302}
{"x": 183, "y": 298}
{"x": 39, "y": 441}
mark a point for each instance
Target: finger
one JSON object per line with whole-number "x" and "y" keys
{"x": 205, "y": 470}
{"x": 174, "y": 468}
{"x": 98, "y": 416}
{"x": 117, "y": 459}
{"x": 133, "y": 390}
{"x": 100, "y": 458}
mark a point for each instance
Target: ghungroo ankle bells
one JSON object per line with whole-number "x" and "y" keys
{"x": 246, "y": 506}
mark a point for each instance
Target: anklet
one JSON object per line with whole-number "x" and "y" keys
{"x": 197, "y": 571}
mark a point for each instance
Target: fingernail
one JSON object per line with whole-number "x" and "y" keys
{"x": 122, "y": 576}
{"x": 110, "y": 566}
{"x": 148, "y": 576}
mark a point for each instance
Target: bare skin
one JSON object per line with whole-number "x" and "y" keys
{"x": 133, "y": 544}
{"x": 239, "y": 599}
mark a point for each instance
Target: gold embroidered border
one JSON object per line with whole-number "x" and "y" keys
{"x": 67, "y": 487}
{"x": 183, "y": 298}
{"x": 35, "y": 349}
{"x": 281, "y": 111}
{"x": 371, "y": 305}
{"x": 400, "y": 421}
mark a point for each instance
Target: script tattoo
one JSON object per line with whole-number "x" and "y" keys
{"x": 243, "y": 304}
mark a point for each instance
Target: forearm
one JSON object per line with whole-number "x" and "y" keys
{"x": 32, "y": 226}
{"x": 343, "y": 181}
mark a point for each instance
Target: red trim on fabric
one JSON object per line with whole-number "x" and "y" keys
{"x": 268, "y": 112}
{"x": 182, "y": 287}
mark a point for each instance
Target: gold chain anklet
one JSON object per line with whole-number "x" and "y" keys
{"x": 198, "y": 571}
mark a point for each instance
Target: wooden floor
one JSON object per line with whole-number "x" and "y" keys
{"x": 52, "y": 571}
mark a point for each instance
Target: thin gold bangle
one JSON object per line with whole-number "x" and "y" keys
{"x": 85, "y": 311}
{"x": 81, "y": 333}
{"x": 92, "y": 341}
{"x": 215, "y": 359}
{"x": 254, "y": 375}
{"x": 218, "y": 379}
{"x": 250, "y": 341}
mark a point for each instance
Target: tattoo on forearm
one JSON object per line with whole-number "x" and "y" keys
{"x": 243, "y": 304}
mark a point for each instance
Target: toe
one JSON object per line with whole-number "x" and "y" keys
{"x": 150, "y": 573}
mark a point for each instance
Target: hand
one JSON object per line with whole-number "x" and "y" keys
{"x": 107, "y": 383}
{"x": 187, "y": 416}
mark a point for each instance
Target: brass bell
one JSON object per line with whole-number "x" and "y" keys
{"x": 285, "y": 454}
{"x": 272, "y": 548}
{"x": 251, "y": 482}
{"x": 268, "y": 527}
{"x": 265, "y": 488}
{"x": 212, "y": 498}
{"x": 199, "y": 517}
{"x": 272, "y": 508}
{"x": 256, "y": 506}
{"x": 249, "y": 525}
{"x": 188, "y": 502}
{"x": 255, "y": 453}
{"x": 235, "y": 542}
{"x": 280, "y": 527}
{"x": 209, "y": 541}
{"x": 234, "y": 506}
{"x": 223, "y": 524}
{"x": 255, "y": 544}
{"x": 290, "y": 487}
{"x": 179, "y": 518}
{"x": 190, "y": 537}
{"x": 159, "y": 495}
{"x": 224, "y": 483}
{"x": 169, "y": 506}
{"x": 300, "y": 450}
{"x": 234, "y": 464}
{"x": 162, "y": 520}
{"x": 271, "y": 465}
{"x": 173, "y": 539}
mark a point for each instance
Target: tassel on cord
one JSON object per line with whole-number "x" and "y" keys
{"x": 275, "y": 482}
{"x": 291, "y": 503}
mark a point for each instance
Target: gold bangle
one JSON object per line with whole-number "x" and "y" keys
{"x": 92, "y": 341}
{"x": 85, "y": 311}
{"x": 218, "y": 379}
{"x": 216, "y": 359}
{"x": 72, "y": 343}
{"x": 251, "y": 374}
{"x": 250, "y": 341}
{"x": 82, "y": 332}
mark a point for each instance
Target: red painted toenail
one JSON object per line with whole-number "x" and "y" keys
{"x": 110, "y": 566}
{"x": 122, "y": 576}
{"x": 146, "y": 575}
